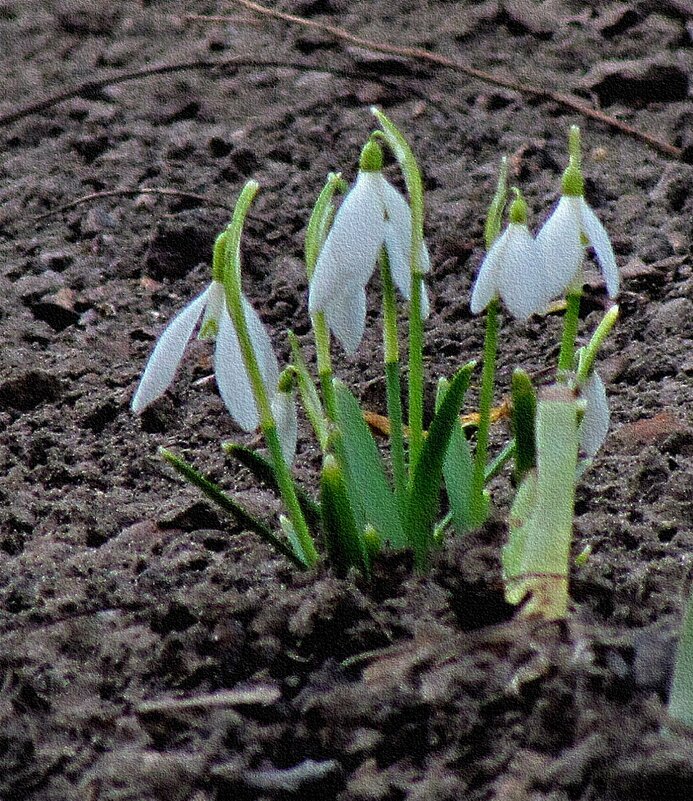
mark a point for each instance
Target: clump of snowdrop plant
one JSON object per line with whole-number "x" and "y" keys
{"x": 368, "y": 500}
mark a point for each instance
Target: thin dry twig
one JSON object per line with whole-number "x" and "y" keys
{"x": 262, "y": 695}
{"x": 419, "y": 54}
{"x": 94, "y": 85}
{"x": 133, "y": 193}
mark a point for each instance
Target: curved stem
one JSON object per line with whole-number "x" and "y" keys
{"x": 477, "y": 498}
{"x": 571, "y": 320}
{"x": 393, "y": 386}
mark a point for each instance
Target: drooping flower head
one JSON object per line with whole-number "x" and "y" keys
{"x": 233, "y": 382}
{"x": 512, "y": 269}
{"x": 572, "y": 225}
{"x": 372, "y": 215}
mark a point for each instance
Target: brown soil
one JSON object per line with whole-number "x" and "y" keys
{"x": 121, "y": 591}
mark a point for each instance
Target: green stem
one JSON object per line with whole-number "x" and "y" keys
{"x": 477, "y": 499}
{"x": 321, "y": 332}
{"x": 416, "y": 372}
{"x": 571, "y": 319}
{"x": 589, "y": 353}
{"x": 500, "y": 461}
{"x": 412, "y": 177}
{"x": 393, "y": 386}
{"x": 234, "y": 302}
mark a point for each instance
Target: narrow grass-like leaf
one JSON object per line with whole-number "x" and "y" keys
{"x": 263, "y": 471}
{"x": 215, "y": 494}
{"x": 424, "y": 501}
{"x": 457, "y": 471}
{"x": 345, "y": 547}
{"x": 309, "y": 394}
{"x": 368, "y": 486}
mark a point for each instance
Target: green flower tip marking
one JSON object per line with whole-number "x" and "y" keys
{"x": 518, "y": 209}
{"x": 573, "y": 183}
{"x": 371, "y": 157}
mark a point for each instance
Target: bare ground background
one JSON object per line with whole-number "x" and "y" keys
{"x": 119, "y": 587}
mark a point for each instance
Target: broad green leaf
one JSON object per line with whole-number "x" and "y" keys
{"x": 457, "y": 471}
{"x": 424, "y": 499}
{"x": 536, "y": 560}
{"x": 524, "y": 409}
{"x": 369, "y": 489}
{"x": 681, "y": 697}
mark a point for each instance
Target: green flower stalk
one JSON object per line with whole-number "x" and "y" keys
{"x": 232, "y": 288}
{"x": 478, "y": 500}
{"x": 316, "y": 234}
{"x": 393, "y": 386}
{"x": 418, "y": 266}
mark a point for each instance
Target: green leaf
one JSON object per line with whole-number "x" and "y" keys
{"x": 457, "y": 471}
{"x": 309, "y": 394}
{"x": 536, "y": 559}
{"x": 681, "y": 697}
{"x": 524, "y": 410}
{"x": 344, "y": 546}
{"x": 263, "y": 471}
{"x": 369, "y": 489}
{"x": 215, "y": 494}
{"x": 425, "y": 492}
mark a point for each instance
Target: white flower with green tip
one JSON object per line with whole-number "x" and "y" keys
{"x": 230, "y": 373}
{"x": 512, "y": 270}
{"x": 372, "y": 215}
{"x": 573, "y": 225}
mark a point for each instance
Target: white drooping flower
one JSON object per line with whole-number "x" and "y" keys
{"x": 512, "y": 270}
{"x": 229, "y": 370}
{"x": 595, "y": 422}
{"x": 372, "y": 215}
{"x": 572, "y": 225}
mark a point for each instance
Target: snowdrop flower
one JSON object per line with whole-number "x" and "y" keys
{"x": 373, "y": 214}
{"x": 231, "y": 377}
{"x": 595, "y": 422}
{"x": 573, "y": 223}
{"x": 512, "y": 269}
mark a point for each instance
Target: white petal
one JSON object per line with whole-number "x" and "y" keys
{"x": 349, "y": 254}
{"x": 398, "y": 239}
{"x": 262, "y": 345}
{"x": 284, "y": 413}
{"x": 346, "y": 317}
{"x": 232, "y": 379}
{"x": 599, "y": 239}
{"x": 561, "y": 249}
{"x": 486, "y": 285}
{"x": 595, "y": 423}
{"x": 520, "y": 276}
{"x": 163, "y": 363}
